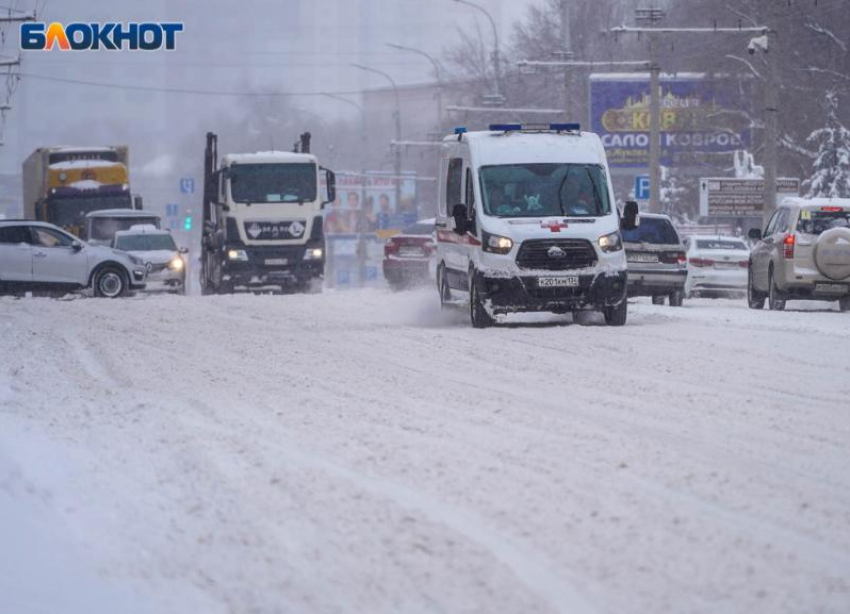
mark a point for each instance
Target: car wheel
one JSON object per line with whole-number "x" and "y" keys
{"x": 477, "y": 312}
{"x": 657, "y": 300}
{"x": 774, "y": 300}
{"x": 755, "y": 299}
{"x": 445, "y": 291}
{"x": 844, "y": 304}
{"x": 676, "y": 298}
{"x": 616, "y": 315}
{"x": 110, "y": 282}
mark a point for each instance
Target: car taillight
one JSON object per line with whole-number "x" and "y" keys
{"x": 701, "y": 262}
{"x": 390, "y": 248}
{"x": 744, "y": 264}
{"x": 673, "y": 258}
{"x": 832, "y": 209}
{"x": 788, "y": 246}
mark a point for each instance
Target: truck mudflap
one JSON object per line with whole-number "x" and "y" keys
{"x": 543, "y": 293}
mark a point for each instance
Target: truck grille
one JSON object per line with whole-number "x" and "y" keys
{"x": 556, "y": 254}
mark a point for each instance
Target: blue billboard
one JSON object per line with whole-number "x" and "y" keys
{"x": 698, "y": 116}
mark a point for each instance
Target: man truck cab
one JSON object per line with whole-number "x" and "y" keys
{"x": 527, "y": 221}
{"x": 263, "y": 220}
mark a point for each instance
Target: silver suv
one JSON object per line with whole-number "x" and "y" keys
{"x": 804, "y": 254}
{"x": 40, "y": 256}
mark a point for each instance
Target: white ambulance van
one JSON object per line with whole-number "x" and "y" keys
{"x": 527, "y": 221}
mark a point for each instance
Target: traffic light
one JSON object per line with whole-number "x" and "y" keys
{"x": 187, "y": 224}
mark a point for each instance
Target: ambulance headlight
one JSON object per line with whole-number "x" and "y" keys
{"x": 496, "y": 244}
{"x": 611, "y": 242}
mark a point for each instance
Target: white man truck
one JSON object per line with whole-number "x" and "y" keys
{"x": 262, "y": 220}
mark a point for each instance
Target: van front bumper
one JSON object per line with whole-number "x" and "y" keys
{"x": 525, "y": 293}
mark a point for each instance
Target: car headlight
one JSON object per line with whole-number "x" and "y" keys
{"x": 496, "y": 244}
{"x": 314, "y": 253}
{"x": 237, "y": 254}
{"x": 176, "y": 264}
{"x": 611, "y": 242}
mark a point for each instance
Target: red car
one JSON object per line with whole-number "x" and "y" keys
{"x": 409, "y": 256}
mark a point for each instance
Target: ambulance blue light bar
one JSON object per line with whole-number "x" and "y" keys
{"x": 573, "y": 127}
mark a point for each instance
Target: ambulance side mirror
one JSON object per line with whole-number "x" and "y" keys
{"x": 629, "y": 220}
{"x": 460, "y": 218}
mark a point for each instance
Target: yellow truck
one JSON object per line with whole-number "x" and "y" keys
{"x": 63, "y": 184}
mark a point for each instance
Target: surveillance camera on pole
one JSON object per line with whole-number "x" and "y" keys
{"x": 758, "y": 43}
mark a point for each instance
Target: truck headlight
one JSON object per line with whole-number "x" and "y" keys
{"x": 239, "y": 255}
{"x": 611, "y": 242}
{"x": 314, "y": 253}
{"x": 176, "y": 264}
{"x": 496, "y": 244}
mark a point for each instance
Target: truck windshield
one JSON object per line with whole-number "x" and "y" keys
{"x": 273, "y": 183}
{"x": 539, "y": 190}
{"x": 104, "y": 228}
{"x": 72, "y": 211}
{"x": 145, "y": 243}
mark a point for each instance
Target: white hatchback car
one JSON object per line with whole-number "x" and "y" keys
{"x": 41, "y": 256}
{"x": 717, "y": 266}
{"x": 156, "y": 249}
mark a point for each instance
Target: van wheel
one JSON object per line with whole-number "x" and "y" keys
{"x": 774, "y": 300}
{"x": 844, "y": 304}
{"x": 676, "y": 298}
{"x": 110, "y": 282}
{"x": 616, "y": 315}
{"x": 477, "y": 313}
{"x": 657, "y": 300}
{"x": 755, "y": 299}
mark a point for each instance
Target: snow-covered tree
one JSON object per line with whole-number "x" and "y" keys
{"x": 831, "y": 168}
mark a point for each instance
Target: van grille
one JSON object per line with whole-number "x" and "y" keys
{"x": 570, "y": 254}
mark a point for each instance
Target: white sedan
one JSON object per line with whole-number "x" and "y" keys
{"x": 717, "y": 266}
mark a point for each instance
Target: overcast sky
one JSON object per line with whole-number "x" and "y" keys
{"x": 251, "y": 45}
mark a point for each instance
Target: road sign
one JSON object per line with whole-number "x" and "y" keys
{"x": 641, "y": 187}
{"x": 172, "y": 210}
{"x": 728, "y": 197}
{"x": 187, "y": 185}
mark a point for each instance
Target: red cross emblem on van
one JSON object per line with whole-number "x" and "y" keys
{"x": 554, "y": 226}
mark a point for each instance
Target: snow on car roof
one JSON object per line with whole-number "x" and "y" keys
{"x": 122, "y": 213}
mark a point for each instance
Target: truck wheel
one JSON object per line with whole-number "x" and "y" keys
{"x": 445, "y": 291}
{"x": 477, "y": 313}
{"x": 676, "y": 298}
{"x": 616, "y": 315}
{"x": 755, "y": 299}
{"x": 110, "y": 282}
{"x": 774, "y": 300}
{"x": 657, "y": 300}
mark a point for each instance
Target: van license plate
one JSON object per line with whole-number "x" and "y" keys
{"x": 831, "y": 288}
{"x": 557, "y": 282}
{"x": 277, "y": 261}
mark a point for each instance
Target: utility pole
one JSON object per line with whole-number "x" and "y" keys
{"x": 771, "y": 131}
{"x": 653, "y": 16}
{"x": 566, "y": 40}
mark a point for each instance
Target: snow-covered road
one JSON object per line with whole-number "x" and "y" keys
{"x": 362, "y": 453}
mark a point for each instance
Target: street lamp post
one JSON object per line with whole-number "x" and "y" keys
{"x": 397, "y": 160}
{"x": 498, "y": 77}
{"x": 437, "y": 71}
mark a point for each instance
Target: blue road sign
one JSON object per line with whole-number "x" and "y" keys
{"x": 642, "y": 187}
{"x": 187, "y": 185}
